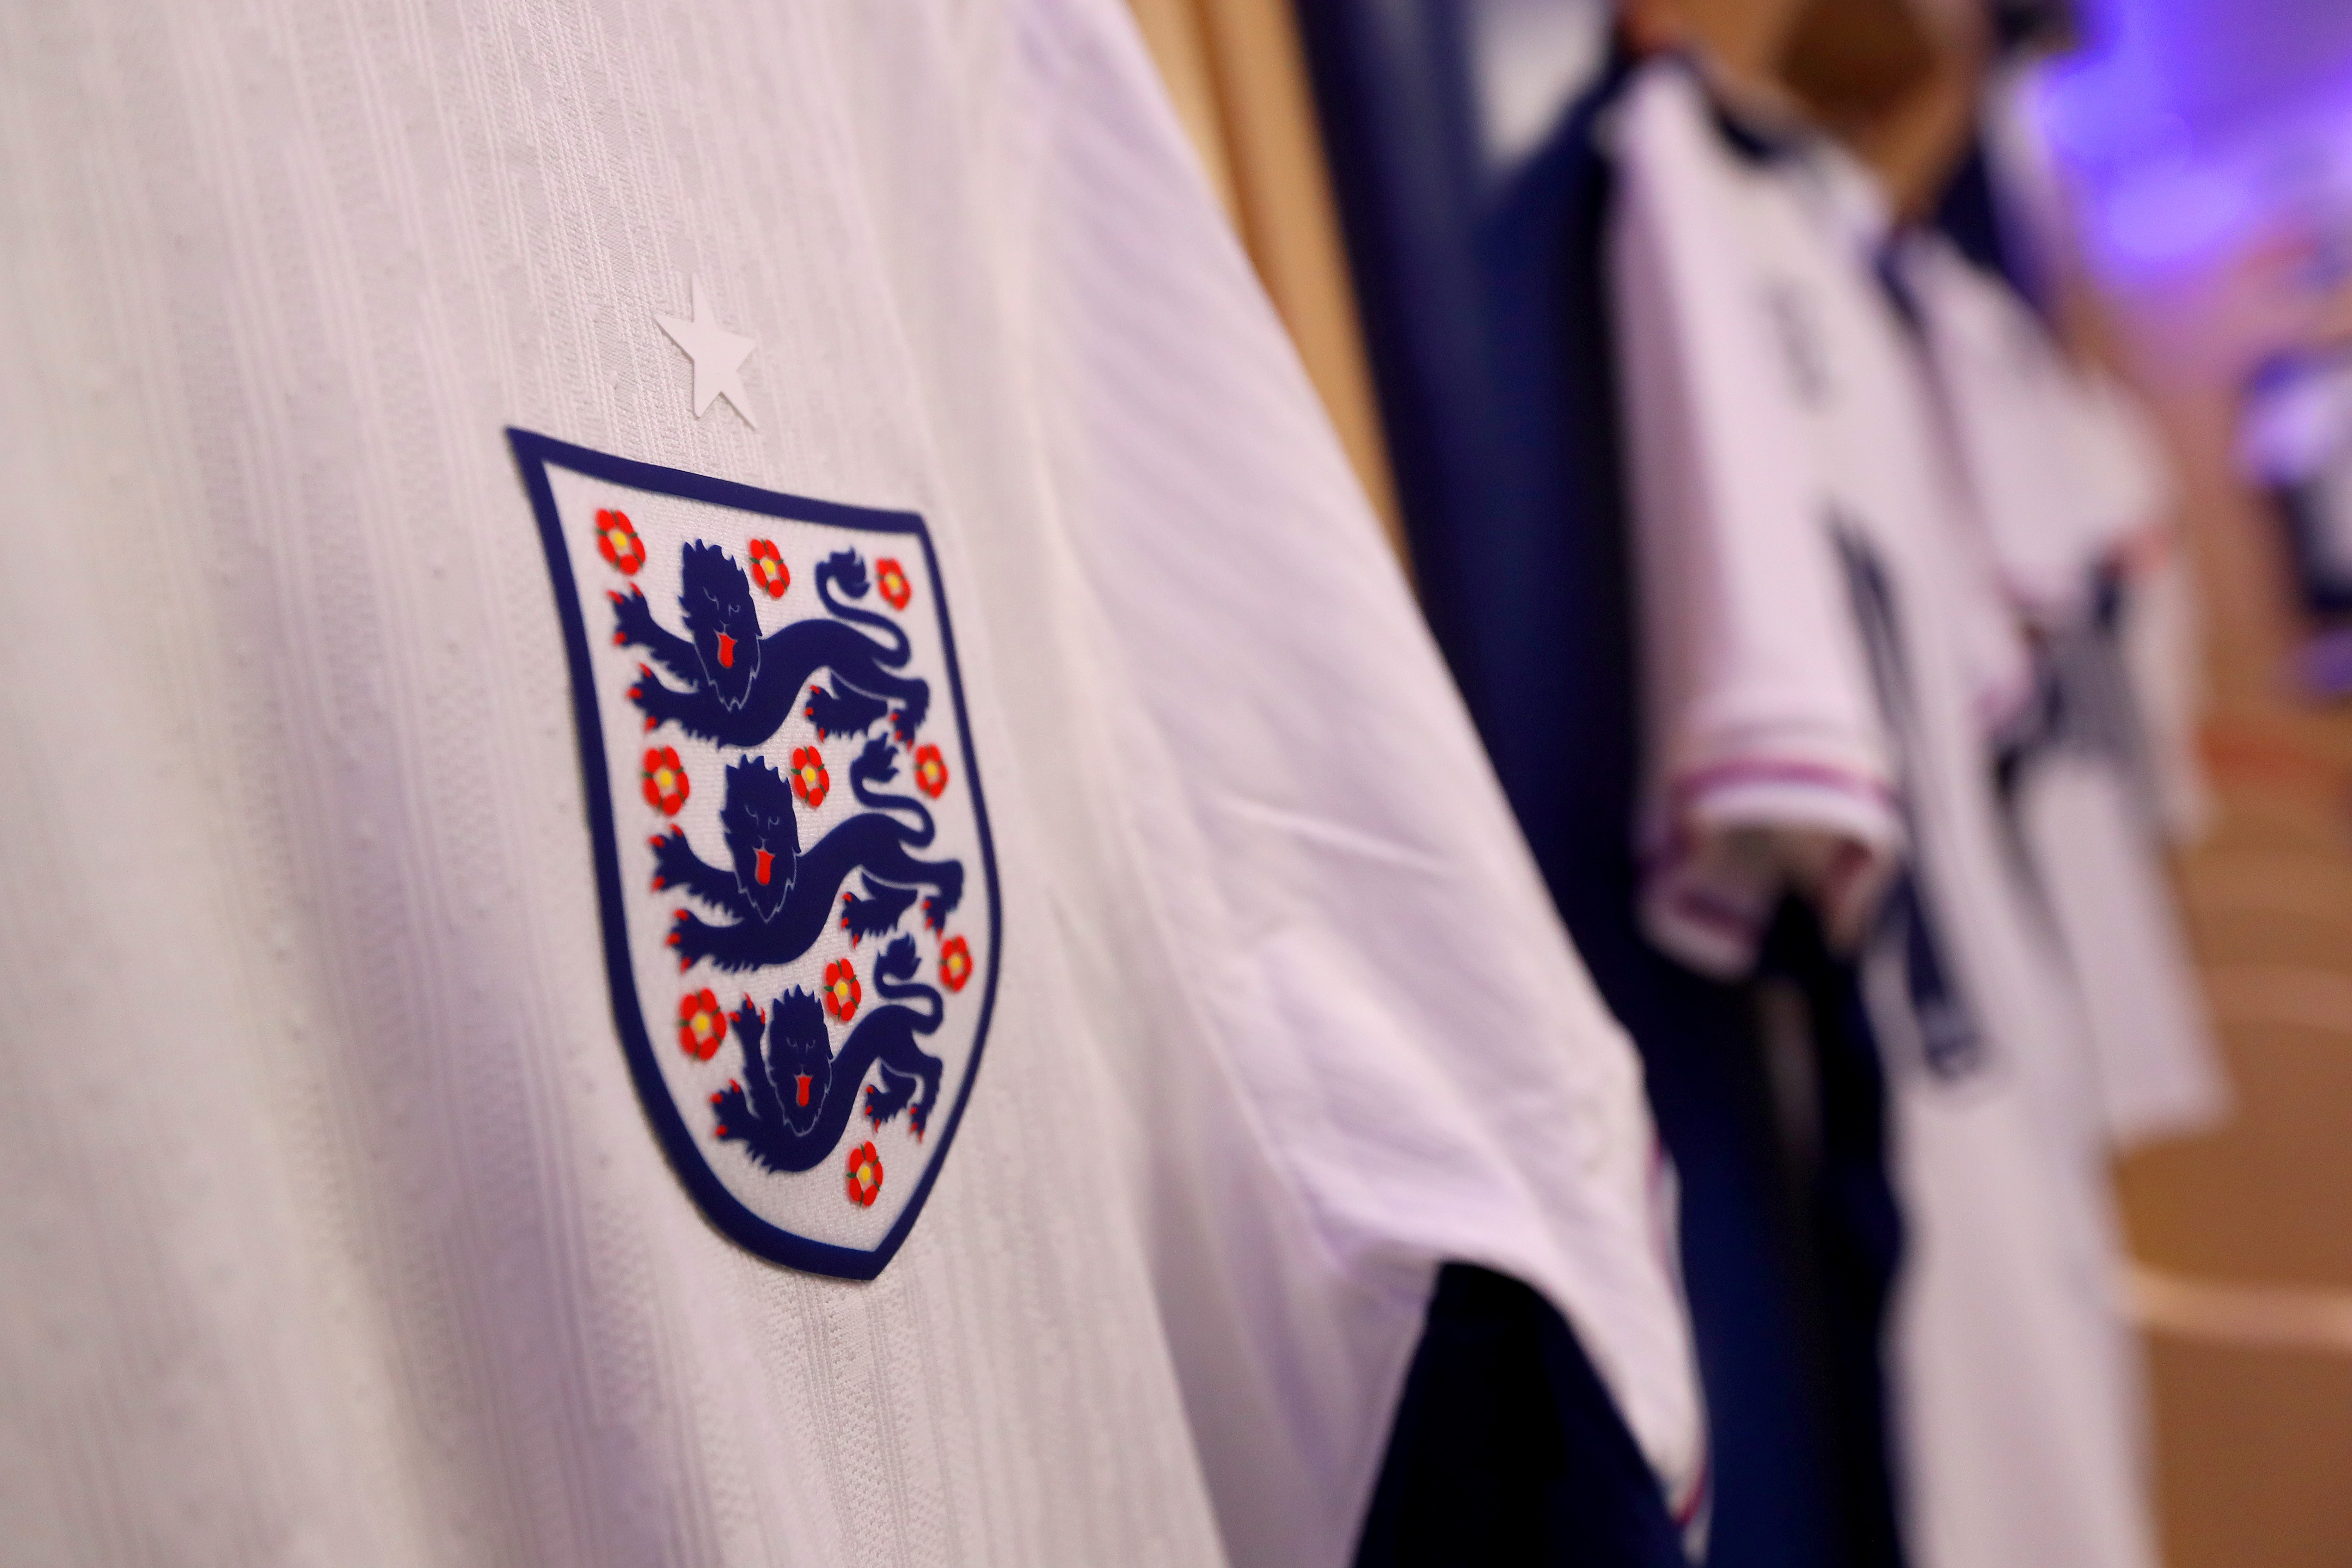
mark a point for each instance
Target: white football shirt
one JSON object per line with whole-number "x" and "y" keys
{"x": 343, "y": 1228}
{"x": 2053, "y": 495}
{"x": 1787, "y": 492}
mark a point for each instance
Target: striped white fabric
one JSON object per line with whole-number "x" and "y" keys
{"x": 336, "y": 1234}
{"x": 1344, "y": 921}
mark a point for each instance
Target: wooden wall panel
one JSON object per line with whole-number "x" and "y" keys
{"x": 1238, "y": 78}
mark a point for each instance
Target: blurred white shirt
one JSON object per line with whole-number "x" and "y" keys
{"x": 1818, "y": 675}
{"x": 2057, "y": 490}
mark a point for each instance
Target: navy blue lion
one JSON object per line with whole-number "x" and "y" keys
{"x": 740, "y": 687}
{"x": 795, "y": 1096}
{"x": 781, "y": 896}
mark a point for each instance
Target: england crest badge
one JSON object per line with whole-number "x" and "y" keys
{"x": 799, "y": 892}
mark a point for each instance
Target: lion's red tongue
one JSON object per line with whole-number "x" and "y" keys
{"x": 802, "y": 1080}
{"x": 766, "y": 860}
{"x": 727, "y": 661}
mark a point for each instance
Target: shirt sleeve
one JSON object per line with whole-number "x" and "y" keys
{"x": 1361, "y": 1040}
{"x": 1768, "y": 767}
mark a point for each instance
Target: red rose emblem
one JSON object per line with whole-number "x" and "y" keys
{"x": 617, "y": 542}
{"x": 955, "y": 963}
{"x": 842, "y": 992}
{"x": 701, "y": 1025}
{"x": 665, "y": 780}
{"x": 931, "y": 771}
{"x": 810, "y": 781}
{"x": 891, "y": 578}
{"x": 864, "y": 1175}
{"x": 767, "y": 568}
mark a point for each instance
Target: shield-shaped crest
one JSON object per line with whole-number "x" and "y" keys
{"x": 798, "y": 888}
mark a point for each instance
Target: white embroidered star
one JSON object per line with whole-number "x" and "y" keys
{"x": 718, "y": 354}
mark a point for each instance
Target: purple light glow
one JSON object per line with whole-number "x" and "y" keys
{"x": 2188, "y": 125}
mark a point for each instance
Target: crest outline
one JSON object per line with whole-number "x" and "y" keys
{"x": 535, "y": 455}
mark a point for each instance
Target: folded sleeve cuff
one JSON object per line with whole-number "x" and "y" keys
{"x": 1739, "y": 836}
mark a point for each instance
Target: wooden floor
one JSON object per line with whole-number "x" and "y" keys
{"x": 2244, "y": 1237}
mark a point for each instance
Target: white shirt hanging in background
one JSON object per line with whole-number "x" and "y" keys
{"x": 1794, "y": 551}
{"x": 2056, "y": 491}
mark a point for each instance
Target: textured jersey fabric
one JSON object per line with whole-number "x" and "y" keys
{"x": 2056, "y": 498}
{"x": 353, "y": 1247}
{"x": 1757, "y": 344}
{"x": 340, "y": 1235}
{"x": 1342, "y": 960}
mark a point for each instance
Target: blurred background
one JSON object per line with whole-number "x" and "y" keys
{"x": 2170, "y": 183}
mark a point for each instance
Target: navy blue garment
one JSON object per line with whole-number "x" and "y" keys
{"x": 1970, "y": 214}
{"x": 1485, "y": 306}
{"x": 1507, "y": 1448}
{"x": 1845, "y": 1230}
